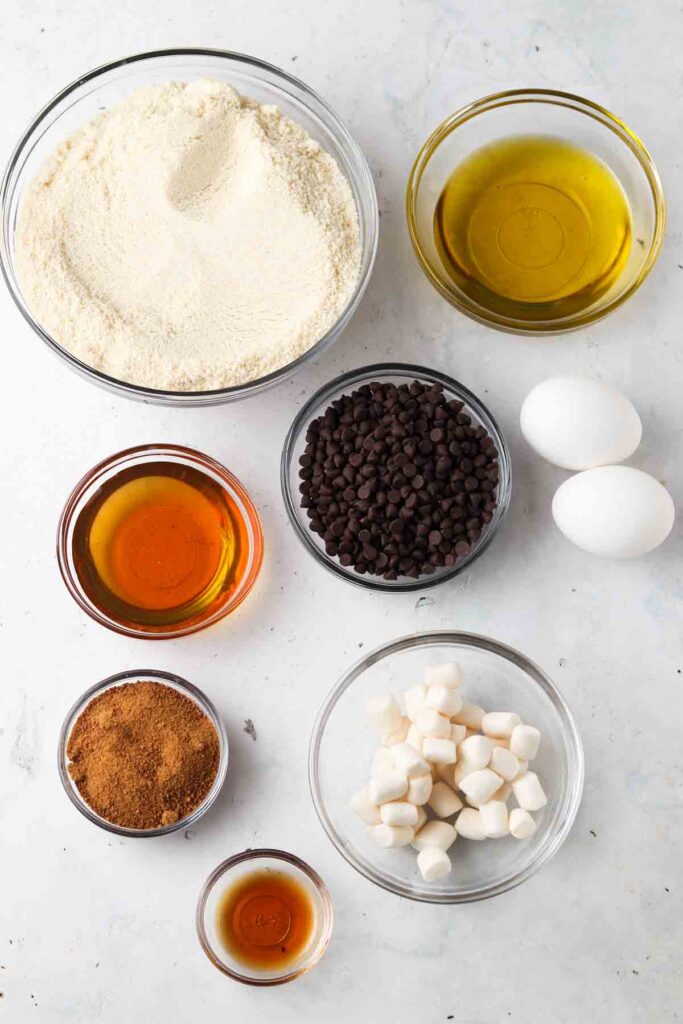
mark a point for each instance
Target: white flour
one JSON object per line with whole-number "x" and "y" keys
{"x": 188, "y": 239}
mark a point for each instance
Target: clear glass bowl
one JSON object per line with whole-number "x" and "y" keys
{"x": 107, "y": 85}
{"x": 88, "y": 487}
{"x": 230, "y": 872}
{"x": 496, "y": 677}
{"x": 134, "y": 676}
{"x": 396, "y": 373}
{"x": 543, "y": 112}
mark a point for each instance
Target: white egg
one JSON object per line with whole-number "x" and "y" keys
{"x": 615, "y": 511}
{"x": 578, "y": 422}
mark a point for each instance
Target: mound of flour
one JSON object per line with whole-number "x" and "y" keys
{"x": 188, "y": 239}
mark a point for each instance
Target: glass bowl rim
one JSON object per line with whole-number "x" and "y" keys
{"x": 265, "y": 853}
{"x": 142, "y": 675}
{"x": 573, "y": 791}
{"x": 553, "y": 97}
{"x": 363, "y": 181}
{"x": 378, "y": 371}
{"x": 90, "y": 478}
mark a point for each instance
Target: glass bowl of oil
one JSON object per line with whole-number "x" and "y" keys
{"x": 535, "y": 211}
{"x": 159, "y": 541}
{"x": 495, "y": 676}
{"x": 264, "y": 917}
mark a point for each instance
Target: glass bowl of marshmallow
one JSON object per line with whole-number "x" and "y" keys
{"x": 446, "y": 767}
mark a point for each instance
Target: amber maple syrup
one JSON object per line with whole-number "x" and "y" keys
{"x": 533, "y": 227}
{"x": 266, "y": 920}
{"x": 160, "y": 545}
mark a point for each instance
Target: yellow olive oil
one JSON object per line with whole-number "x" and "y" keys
{"x": 533, "y": 227}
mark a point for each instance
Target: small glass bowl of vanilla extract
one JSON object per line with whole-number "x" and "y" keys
{"x": 159, "y": 541}
{"x": 264, "y": 917}
{"x": 535, "y": 211}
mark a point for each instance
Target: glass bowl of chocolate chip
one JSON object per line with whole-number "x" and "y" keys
{"x": 395, "y": 477}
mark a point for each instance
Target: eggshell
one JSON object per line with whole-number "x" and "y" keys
{"x": 578, "y": 423}
{"x": 615, "y": 511}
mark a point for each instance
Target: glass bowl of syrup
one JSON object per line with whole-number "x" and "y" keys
{"x": 159, "y": 541}
{"x": 535, "y": 211}
{"x": 264, "y": 917}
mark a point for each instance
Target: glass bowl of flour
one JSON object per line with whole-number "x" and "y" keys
{"x": 187, "y": 227}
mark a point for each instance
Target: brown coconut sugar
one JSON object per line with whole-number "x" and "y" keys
{"x": 143, "y": 755}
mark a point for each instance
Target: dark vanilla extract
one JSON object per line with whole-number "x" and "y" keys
{"x": 266, "y": 920}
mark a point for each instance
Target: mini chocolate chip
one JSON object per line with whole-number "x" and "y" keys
{"x": 397, "y": 480}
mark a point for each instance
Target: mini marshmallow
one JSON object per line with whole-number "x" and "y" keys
{"x": 388, "y": 836}
{"x": 398, "y": 813}
{"x": 422, "y": 819}
{"x": 414, "y": 737}
{"x": 435, "y": 833}
{"x": 499, "y": 723}
{"x": 470, "y": 715}
{"x": 409, "y": 760}
{"x": 415, "y": 701}
{"x": 365, "y": 809}
{"x": 522, "y": 825}
{"x": 478, "y": 786}
{"x": 494, "y": 818}
{"x": 469, "y": 825}
{"x": 438, "y": 746}
{"x": 503, "y": 793}
{"x": 458, "y": 733}
{"x": 504, "y": 763}
{"x": 443, "y": 801}
{"x": 441, "y": 698}
{"x": 387, "y": 786}
{"x": 419, "y": 790}
{"x": 475, "y": 752}
{"x": 382, "y": 762}
{"x": 524, "y": 742}
{"x": 431, "y": 723}
{"x": 529, "y": 792}
{"x": 384, "y": 713}
{"x": 448, "y": 674}
{"x": 433, "y": 863}
{"x": 439, "y": 751}
{"x": 398, "y": 734}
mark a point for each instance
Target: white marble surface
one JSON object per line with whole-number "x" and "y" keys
{"x": 94, "y": 929}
